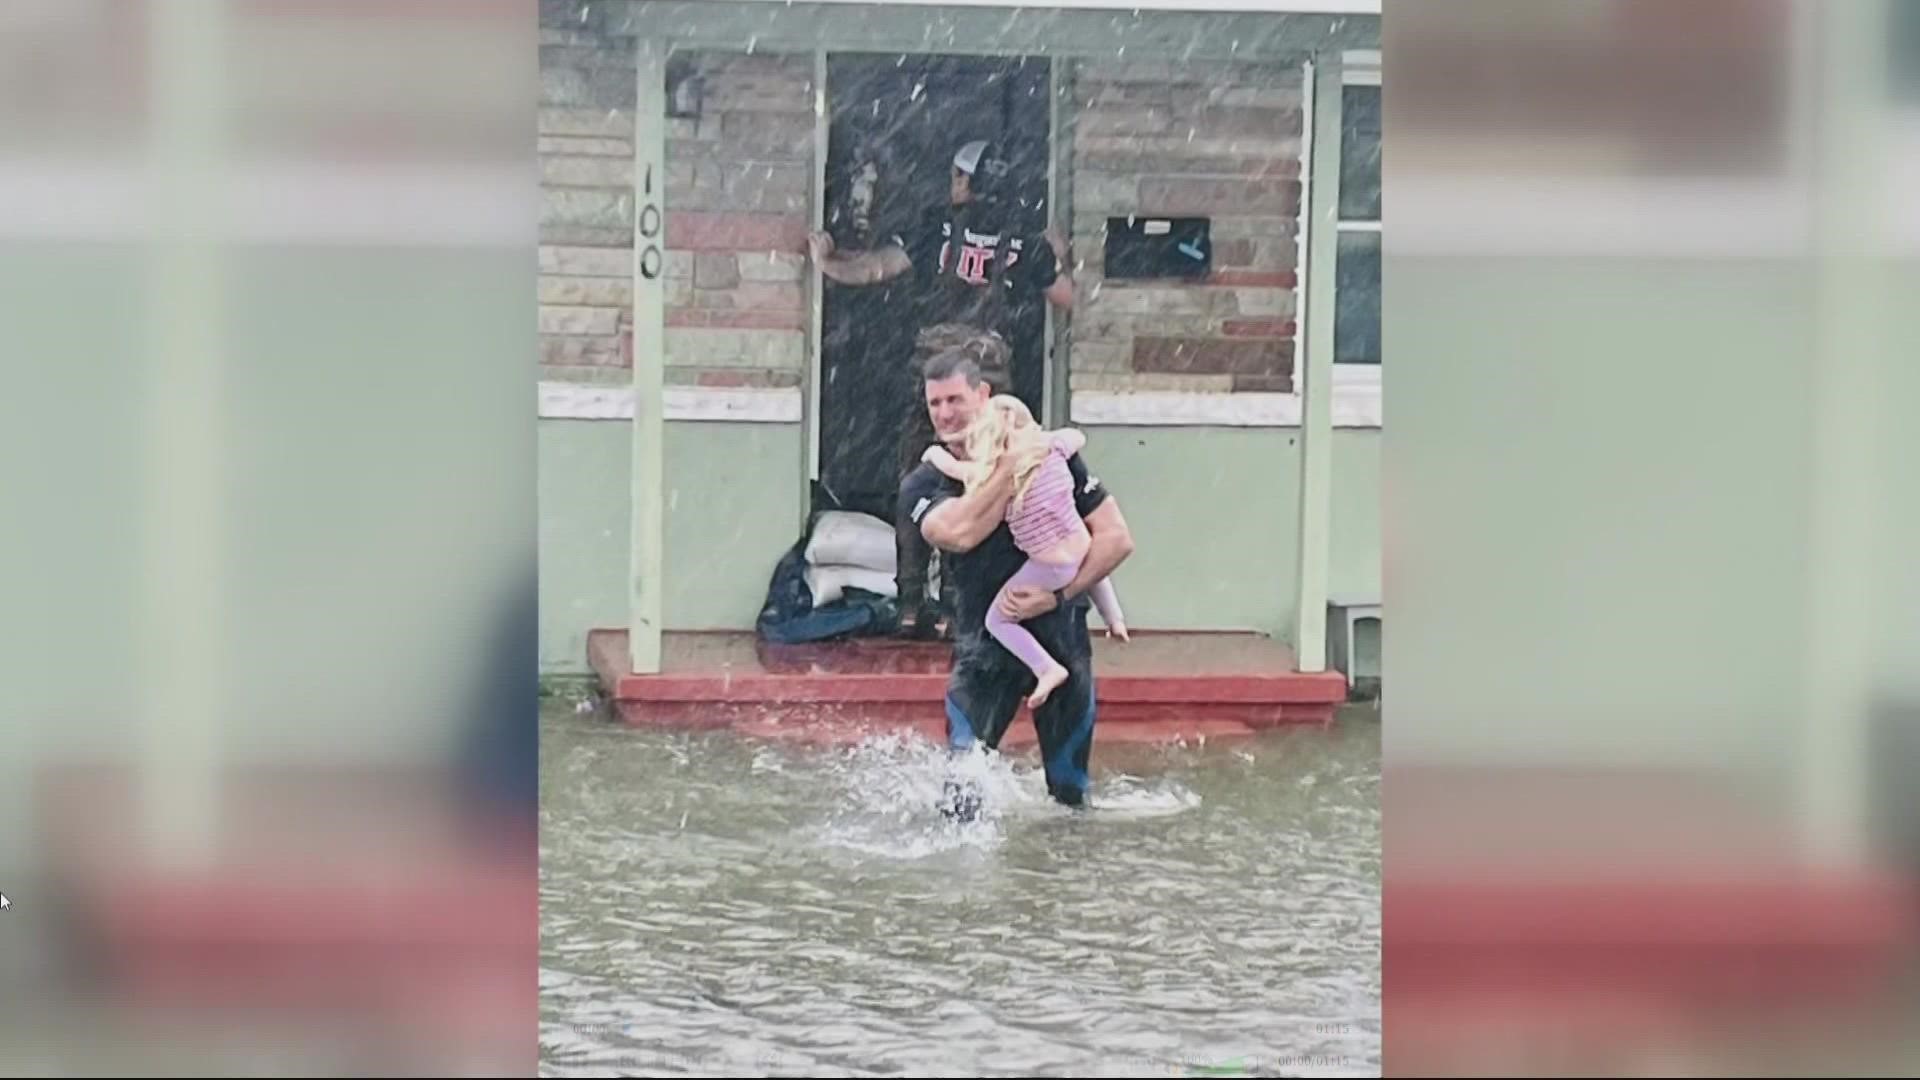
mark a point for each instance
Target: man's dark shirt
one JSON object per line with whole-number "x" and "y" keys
{"x": 954, "y": 251}
{"x": 974, "y": 578}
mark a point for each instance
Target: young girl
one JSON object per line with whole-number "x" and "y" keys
{"x": 1045, "y": 524}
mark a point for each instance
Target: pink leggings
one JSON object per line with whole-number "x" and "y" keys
{"x": 1048, "y": 576}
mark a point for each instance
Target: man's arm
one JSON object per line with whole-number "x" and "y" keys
{"x": 962, "y": 522}
{"x": 1060, "y": 293}
{"x": 860, "y": 268}
{"x": 1112, "y": 544}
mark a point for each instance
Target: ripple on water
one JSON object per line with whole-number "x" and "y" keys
{"x": 711, "y": 904}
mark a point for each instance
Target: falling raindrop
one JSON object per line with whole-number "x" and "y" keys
{"x": 584, "y": 8}
{"x": 752, "y": 41}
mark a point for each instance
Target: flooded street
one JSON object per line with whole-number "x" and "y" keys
{"x": 711, "y": 903}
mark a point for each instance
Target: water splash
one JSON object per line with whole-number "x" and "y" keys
{"x": 826, "y": 904}
{"x": 1130, "y": 797}
{"x": 890, "y": 789}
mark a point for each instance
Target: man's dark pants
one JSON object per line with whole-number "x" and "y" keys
{"x": 988, "y": 686}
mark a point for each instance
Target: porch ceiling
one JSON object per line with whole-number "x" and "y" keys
{"x": 1146, "y": 35}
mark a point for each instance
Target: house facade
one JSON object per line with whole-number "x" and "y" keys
{"x": 690, "y": 355}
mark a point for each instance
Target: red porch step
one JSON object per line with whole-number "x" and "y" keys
{"x": 359, "y": 896}
{"x": 1158, "y": 687}
{"x": 1540, "y": 915}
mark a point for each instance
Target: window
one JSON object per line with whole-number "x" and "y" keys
{"x": 1903, "y": 61}
{"x": 1356, "y": 326}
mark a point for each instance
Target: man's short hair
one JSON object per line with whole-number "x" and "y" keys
{"x": 956, "y": 360}
{"x": 987, "y": 350}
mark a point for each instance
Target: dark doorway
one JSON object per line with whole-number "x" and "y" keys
{"x": 896, "y": 123}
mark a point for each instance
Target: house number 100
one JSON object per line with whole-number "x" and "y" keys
{"x": 649, "y": 230}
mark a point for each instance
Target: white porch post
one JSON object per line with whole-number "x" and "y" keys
{"x": 816, "y": 370}
{"x": 1313, "y": 366}
{"x": 183, "y": 633}
{"x": 649, "y": 354}
{"x": 1840, "y": 109}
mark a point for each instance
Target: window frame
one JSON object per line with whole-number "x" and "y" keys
{"x": 1356, "y": 387}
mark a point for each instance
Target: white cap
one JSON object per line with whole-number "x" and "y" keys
{"x": 968, "y": 159}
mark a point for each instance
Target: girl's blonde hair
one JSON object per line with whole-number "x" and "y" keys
{"x": 1006, "y": 426}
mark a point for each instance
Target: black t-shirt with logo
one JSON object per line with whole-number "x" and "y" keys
{"x": 976, "y": 577}
{"x": 955, "y": 252}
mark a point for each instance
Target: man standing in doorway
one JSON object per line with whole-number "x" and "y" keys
{"x": 988, "y": 683}
{"x": 976, "y": 263}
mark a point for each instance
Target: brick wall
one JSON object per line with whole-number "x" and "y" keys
{"x": 587, "y": 91}
{"x": 1189, "y": 141}
{"x": 1149, "y": 138}
{"x": 739, "y": 179}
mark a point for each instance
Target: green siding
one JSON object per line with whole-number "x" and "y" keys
{"x": 1213, "y": 511}
{"x": 1600, "y": 495}
{"x": 733, "y": 506}
{"x": 1354, "y": 557}
{"x": 1214, "y": 514}
{"x": 585, "y": 470}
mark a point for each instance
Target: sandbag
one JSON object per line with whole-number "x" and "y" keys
{"x": 829, "y": 583}
{"x": 846, "y": 538}
{"x": 790, "y": 614}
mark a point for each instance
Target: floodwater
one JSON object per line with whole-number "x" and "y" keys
{"x": 712, "y": 903}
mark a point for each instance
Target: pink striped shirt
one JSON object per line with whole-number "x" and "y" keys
{"x": 1047, "y": 515}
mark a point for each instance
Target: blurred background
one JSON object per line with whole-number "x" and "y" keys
{"x": 1651, "y": 688}
{"x": 266, "y": 279}
{"x": 267, "y": 762}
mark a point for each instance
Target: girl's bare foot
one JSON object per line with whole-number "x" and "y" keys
{"x": 1048, "y": 684}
